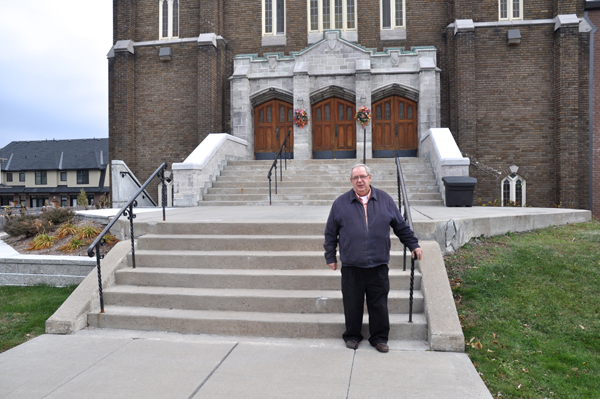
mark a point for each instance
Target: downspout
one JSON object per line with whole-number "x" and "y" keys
{"x": 591, "y": 113}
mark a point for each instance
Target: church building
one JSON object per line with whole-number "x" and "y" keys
{"x": 513, "y": 80}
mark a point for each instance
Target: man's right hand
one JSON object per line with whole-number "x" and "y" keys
{"x": 333, "y": 266}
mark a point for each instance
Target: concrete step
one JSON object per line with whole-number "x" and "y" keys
{"x": 315, "y": 177}
{"x": 185, "y": 242}
{"x": 345, "y": 183}
{"x": 337, "y": 191}
{"x": 300, "y": 203}
{"x": 288, "y": 325}
{"x": 247, "y": 300}
{"x": 259, "y": 279}
{"x": 308, "y": 196}
{"x": 336, "y": 161}
{"x": 281, "y": 260}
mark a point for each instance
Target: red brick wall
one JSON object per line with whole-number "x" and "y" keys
{"x": 594, "y": 16}
{"x": 504, "y": 104}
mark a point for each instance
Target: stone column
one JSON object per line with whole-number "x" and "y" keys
{"x": 429, "y": 94}
{"x": 566, "y": 100}
{"x": 242, "y": 122}
{"x": 302, "y": 136}
{"x": 363, "y": 98}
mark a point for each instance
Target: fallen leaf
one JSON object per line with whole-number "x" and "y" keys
{"x": 491, "y": 351}
{"x": 519, "y": 387}
{"x": 525, "y": 370}
{"x": 494, "y": 335}
{"x": 582, "y": 327}
{"x": 477, "y": 345}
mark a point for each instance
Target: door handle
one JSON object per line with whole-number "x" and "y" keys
{"x": 396, "y": 130}
{"x": 277, "y": 133}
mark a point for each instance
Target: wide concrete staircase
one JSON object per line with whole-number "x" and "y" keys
{"x": 318, "y": 182}
{"x": 252, "y": 279}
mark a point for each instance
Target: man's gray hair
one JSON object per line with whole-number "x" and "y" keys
{"x": 358, "y": 165}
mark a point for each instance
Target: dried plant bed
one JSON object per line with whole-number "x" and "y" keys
{"x": 22, "y": 243}
{"x": 530, "y": 310}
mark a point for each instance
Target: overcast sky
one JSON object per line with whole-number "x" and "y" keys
{"x": 53, "y": 69}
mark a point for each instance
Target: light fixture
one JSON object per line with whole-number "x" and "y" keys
{"x": 164, "y": 54}
{"x": 513, "y": 36}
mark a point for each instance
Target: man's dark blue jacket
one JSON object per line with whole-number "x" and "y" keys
{"x": 361, "y": 246}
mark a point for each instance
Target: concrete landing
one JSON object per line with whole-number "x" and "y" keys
{"x": 451, "y": 228}
{"x": 135, "y": 364}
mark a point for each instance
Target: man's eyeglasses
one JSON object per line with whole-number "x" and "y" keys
{"x": 362, "y": 177}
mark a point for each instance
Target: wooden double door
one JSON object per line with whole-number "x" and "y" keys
{"x": 272, "y": 121}
{"x": 394, "y": 128}
{"x": 334, "y": 129}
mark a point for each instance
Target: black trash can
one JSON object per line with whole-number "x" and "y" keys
{"x": 459, "y": 190}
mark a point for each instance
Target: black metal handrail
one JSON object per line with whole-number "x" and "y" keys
{"x": 274, "y": 166}
{"x": 126, "y": 210}
{"x": 403, "y": 202}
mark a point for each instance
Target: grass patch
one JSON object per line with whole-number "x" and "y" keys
{"x": 24, "y": 310}
{"x": 529, "y": 305}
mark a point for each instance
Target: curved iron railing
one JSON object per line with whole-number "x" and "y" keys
{"x": 126, "y": 210}
{"x": 403, "y": 203}
{"x": 279, "y": 157}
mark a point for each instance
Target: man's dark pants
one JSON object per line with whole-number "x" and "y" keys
{"x": 375, "y": 284}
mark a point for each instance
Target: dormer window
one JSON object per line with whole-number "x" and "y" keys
{"x": 513, "y": 190}
{"x": 169, "y": 18}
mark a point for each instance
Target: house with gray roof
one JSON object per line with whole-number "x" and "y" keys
{"x": 53, "y": 172}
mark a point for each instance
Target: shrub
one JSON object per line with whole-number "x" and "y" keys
{"x": 82, "y": 198}
{"x": 58, "y": 216}
{"x": 26, "y": 225}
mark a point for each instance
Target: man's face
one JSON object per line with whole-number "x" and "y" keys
{"x": 361, "y": 181}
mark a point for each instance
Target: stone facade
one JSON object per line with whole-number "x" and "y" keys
{"x": 524, "y": 103}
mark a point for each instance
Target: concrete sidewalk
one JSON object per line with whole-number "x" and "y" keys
{"x": 136, "y": 364}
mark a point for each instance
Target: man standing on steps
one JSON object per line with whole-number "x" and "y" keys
{"x": 359, "y": 221}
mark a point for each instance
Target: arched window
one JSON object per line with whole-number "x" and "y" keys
{"x": 168, "y": 18}
{"x": 513, "y": 189}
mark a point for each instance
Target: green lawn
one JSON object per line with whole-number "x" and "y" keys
{"x": 24, "y": 310}
{"x": 529, "y": 304}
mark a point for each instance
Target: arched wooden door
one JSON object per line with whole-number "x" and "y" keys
{"x": 272, "y": 120}
{"x": 394, "y": 128}
{"x": 334, "y": 129}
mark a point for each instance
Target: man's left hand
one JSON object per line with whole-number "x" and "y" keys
{"x": 417, "y": 253}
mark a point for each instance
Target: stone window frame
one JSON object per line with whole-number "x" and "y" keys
{"x": 277, "y": 5}
{"x": 512, "y": 180}
{"x": 510, "y": 4}
{"x": 170, "y": 31}
{"x": 332, "y": 13}
{"x": 392, "y": 4}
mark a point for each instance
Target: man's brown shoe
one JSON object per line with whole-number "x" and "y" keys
{"x": 352, "y": 345}
{"x": 382, "y": 347}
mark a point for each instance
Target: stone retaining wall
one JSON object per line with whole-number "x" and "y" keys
{"x": 58, "y": 271}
